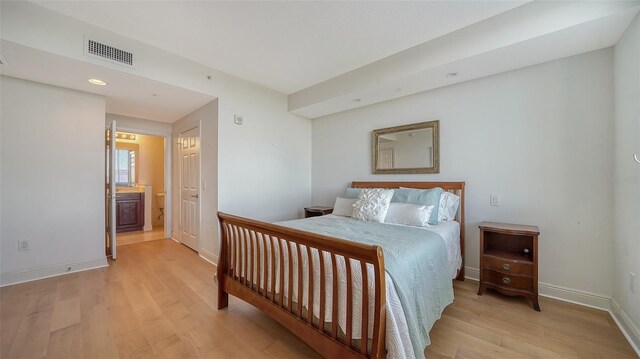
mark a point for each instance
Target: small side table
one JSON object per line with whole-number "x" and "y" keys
{"x": 509, "y": 259}
{"x": 316, "y": 211}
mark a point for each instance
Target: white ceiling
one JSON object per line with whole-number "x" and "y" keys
{"x": 327, "y": 56}
{"x": 125, "y": 94}
{"x": 285, "y": 46}
{"x": 531, "y": 34}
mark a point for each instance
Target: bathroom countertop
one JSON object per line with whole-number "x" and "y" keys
{"x": 139, "y": 189}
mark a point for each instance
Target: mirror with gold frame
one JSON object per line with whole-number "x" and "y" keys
{"x": 413, "y": 148}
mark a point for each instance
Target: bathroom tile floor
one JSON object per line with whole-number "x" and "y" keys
{"x": 140, "y": 236}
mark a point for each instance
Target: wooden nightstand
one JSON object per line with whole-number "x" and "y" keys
{"x": 317, "y": 211}
{"x": 509, "y": 259}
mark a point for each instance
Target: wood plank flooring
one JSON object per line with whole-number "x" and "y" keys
{"x": 140, "y": 236}
{"x": 158, "y": 300}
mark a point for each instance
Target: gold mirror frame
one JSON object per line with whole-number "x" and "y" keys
{"x": 434, "y": 125}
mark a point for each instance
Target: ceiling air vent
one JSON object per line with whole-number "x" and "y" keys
{"x": 109, "y": 52}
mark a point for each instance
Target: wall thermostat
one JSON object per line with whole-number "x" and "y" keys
{"x": 238, "y": 120}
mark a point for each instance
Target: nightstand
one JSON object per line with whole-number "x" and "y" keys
{"x": 509, "y": 259}
{"x": 317, "y": 211}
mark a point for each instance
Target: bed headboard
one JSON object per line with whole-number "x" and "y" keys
{"x": 453, "y": 187}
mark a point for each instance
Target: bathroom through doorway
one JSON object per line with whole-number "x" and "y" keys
{"x": 142, "y": 177}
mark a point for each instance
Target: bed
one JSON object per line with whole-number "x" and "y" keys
{"x": 330, "y": 291}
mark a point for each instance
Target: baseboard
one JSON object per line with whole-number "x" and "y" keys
{"x": 472, "y": 273}
{"x": 626, "y": 324}
{"x": 564, "y": 294}
{"x": 208, "y": 256}
{"x": 52, "y": 271}
{"x": 587, "y": 299}
{"x": 597, "y": 301}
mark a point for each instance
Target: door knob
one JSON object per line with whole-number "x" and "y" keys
{"x": 194, "y": 195}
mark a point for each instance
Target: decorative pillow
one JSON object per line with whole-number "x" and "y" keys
{"x": 448, "y": 208}
{"x": 424, "y": 197}
{"x": 408, "y": 214}
{"x": 344, "y": 206}
{"x": 372, "y": 204}
{"x": 352, "y": 193}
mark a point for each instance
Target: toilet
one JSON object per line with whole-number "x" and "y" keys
{"x": 160, "y": 203}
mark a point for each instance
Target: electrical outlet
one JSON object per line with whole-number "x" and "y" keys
{"x": 632, "y": 282}
{"x": 23, "y": 245}
{"x": 495, "y": 200}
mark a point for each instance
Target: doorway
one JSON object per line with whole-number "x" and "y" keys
{"x": 139, "y": 165}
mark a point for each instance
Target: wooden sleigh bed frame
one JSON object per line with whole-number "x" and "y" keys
{"x": 240, "y": 275}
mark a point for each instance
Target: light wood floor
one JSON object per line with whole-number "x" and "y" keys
{"x": 140, "y": 236}
{"x": 158, "y": 301}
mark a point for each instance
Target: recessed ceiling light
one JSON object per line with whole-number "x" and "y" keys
{"x": 451, "y": 74}
{"x": 97, "y": 82}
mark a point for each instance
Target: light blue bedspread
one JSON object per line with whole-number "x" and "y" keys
{"x": 416, "y": 260}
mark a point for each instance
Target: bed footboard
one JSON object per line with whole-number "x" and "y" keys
{"x": 271, "y": 268}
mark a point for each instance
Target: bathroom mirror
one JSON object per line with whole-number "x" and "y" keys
{"x": 413, "y": 148}
{"x": 126, "y": 166}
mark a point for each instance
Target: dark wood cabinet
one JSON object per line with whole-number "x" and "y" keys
{"x": 317, "y": 211}
{"x": 129, "y": 211}
{"x": 509, "y": 259}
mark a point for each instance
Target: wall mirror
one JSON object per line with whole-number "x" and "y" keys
{"x": 413, "y": 148}
{"x": 126, "y": 164}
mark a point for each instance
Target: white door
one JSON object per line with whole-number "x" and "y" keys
{"x": 385, "y": 159}
{"x": 190, "y": 187}
{"x": 110, "y": 189}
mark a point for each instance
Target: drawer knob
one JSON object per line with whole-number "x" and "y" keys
{"x": 506, "y": 280}
{"x": 506, "y": 266}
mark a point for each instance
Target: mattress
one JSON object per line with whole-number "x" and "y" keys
{"x": 450, "y": 233}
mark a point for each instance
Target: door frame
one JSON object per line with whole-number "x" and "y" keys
{"x": 168, "y": 167}
{"x": 177, "y": 132}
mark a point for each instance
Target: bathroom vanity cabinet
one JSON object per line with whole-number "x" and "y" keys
{"x": 129, "y": 211}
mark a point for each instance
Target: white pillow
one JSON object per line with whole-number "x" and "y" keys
{"x": 372, "y": 204}
{"x": 344, "y": 206}
{"x": 449, "y": 203}
{"x": 409, "y": 214}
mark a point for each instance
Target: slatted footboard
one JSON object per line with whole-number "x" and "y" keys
{"x": 272, "y": 268}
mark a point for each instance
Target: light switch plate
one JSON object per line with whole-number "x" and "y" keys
{"x": 23, "y": 245}
{"x": 495, "y": 200}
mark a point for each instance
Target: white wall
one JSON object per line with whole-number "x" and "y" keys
{"x": 207, "y": 118}
{"x": 139, "y": 125}
{"x": 264, "y": 164}
{"x": 540, "y": 137}
{"x": 52, "y": 157}
{"x": 627, "y": 172}
{"x": 268, "y": 158}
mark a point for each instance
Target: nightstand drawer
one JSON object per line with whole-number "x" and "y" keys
{"x": 508, "y": 266}
{"x": 507, "y": 280}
